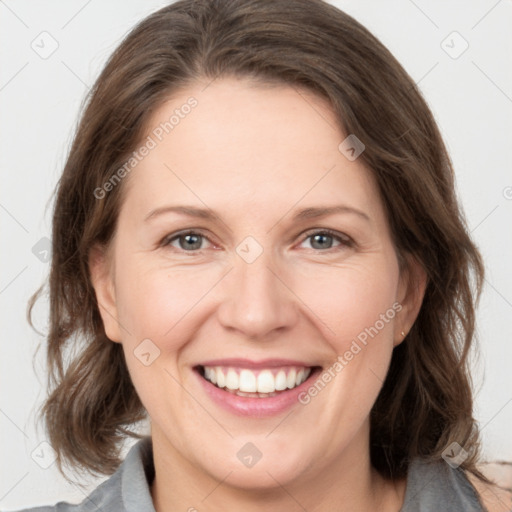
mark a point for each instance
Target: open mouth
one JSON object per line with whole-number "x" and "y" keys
{"x": 257, "y": 383}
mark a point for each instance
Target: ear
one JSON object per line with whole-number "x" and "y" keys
{"x": 411, "y": 290}
{"x": 101, "y": 270}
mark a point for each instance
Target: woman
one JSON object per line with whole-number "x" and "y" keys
{"x": 224, "y": 143}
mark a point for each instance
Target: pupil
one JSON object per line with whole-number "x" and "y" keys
{"x": 321, "y": 238}
{"x": 192, "y": 242}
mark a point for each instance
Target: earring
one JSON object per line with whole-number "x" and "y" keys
{"x": 403, "y": 334}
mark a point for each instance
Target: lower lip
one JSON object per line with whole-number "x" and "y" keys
{"x": 257, "y": 407}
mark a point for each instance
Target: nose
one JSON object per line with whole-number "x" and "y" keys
{"x": 258, "y": 302}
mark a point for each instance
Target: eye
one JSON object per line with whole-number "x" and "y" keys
{"x": 325, "y": 238}
{"x": 320, "y": 240}
{"x": 189, "y": 241}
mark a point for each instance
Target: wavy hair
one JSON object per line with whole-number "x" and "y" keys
{"x": 426, "y": 400}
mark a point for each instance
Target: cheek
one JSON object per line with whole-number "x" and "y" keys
{"x": 354, "y": 302}
{"x": 157, "y": 304}
{"x": 153, "y": 302}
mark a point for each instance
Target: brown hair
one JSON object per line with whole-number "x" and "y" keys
{"x": 426, "y": 401}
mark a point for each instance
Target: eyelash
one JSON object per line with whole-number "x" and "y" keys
{"x": 344, "y": 240}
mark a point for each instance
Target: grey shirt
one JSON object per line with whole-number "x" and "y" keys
{"x": 434, "y": 487}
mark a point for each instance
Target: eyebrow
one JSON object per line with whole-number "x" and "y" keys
{"x": 208, "y": 214}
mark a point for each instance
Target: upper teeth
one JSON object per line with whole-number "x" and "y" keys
{"x": 261, "y": 381}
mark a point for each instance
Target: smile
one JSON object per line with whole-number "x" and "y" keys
{"x": 261, "y": 389}
{"x": 252, "y": 383}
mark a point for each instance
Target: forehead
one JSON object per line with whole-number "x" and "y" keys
{"x": 247, "y": 147}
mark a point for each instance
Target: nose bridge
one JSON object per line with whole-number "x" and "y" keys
{"x": 256, "y": 301}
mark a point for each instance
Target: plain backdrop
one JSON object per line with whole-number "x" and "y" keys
{"x": 468, "y": 89}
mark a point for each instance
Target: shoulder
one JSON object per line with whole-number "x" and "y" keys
{"x": 496, "y": 496}
{"x": 127, "y": 489}
{"x": 104, "y": 497}
{"x": 435, "y": 485}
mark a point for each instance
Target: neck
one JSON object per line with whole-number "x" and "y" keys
{"x": 348, "y": 483}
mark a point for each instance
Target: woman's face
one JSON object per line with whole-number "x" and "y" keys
{"x": 250, "y": 250}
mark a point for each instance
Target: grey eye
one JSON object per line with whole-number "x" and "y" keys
{"x": 190, "y": 241}
{"x": 187, "y": 242}
{"x": 321, "y": 241}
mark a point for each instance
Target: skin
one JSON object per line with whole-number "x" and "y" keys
{"x": 256, "y": 155}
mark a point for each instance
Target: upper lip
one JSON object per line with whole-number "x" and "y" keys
{"x": 247, "y": 363}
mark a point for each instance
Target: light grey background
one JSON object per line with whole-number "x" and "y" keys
{"x": 470, "y": 95}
